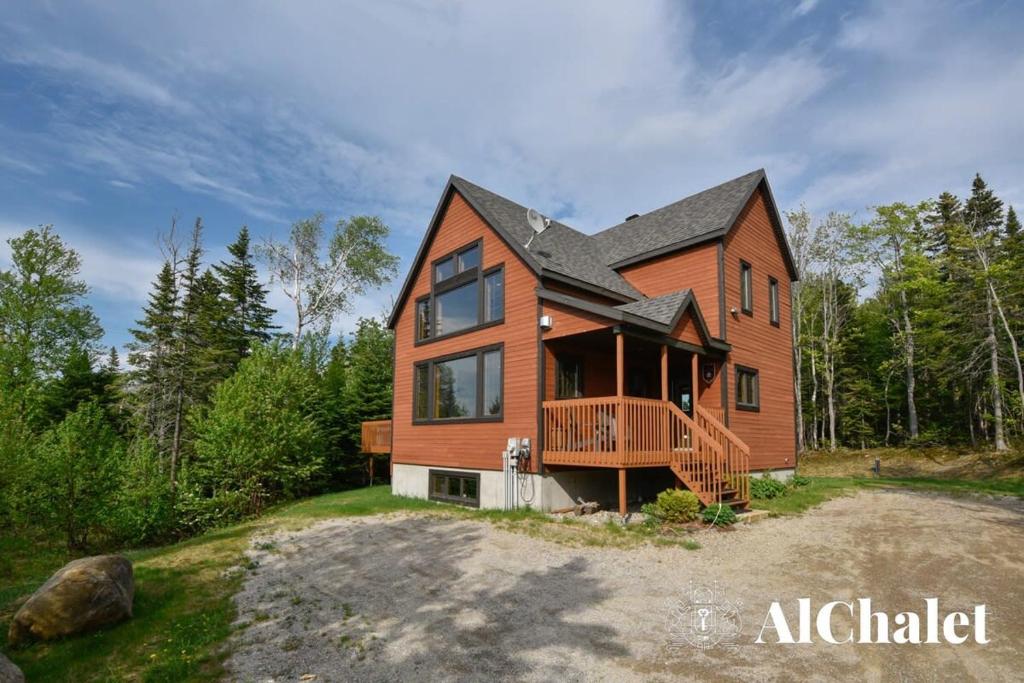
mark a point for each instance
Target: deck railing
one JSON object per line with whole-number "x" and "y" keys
{"x": 735, "y": 453}
{"x": 376, "y": 437}
{"x": 626, "y": 431}
{"x": 717, "y": 413}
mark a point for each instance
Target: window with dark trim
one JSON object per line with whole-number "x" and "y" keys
{"x": 463, "y": 296}
{"x": 746, "y": 288}
{"x": 747, "y": 389}
{"x": 568, "y": 377}
{"x": 461, "y": 488}
{"x": 773, "y": 301}
{"x": 461, "y": 387}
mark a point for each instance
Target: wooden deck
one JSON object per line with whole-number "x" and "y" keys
{"x": 376, "y": 437}
{"x": 626, "y": 432}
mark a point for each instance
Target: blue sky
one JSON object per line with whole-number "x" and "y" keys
{"x": 116, "y": 116}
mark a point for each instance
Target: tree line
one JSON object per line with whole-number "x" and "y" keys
{"x": 217, "y": 413}
{"x": 931, "y": 353}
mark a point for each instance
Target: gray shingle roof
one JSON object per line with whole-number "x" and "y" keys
{"x": 706, "y": 213}
{"x": 661, "y": 309}
{"x": 591, "y": 260}
{"x": 559, "y": 249}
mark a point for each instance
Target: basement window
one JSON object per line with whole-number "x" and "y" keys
{"x": 461, "y": 488}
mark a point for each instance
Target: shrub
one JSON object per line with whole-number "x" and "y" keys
{"x": 798, "y": 480}
{"x": 676, "y": 505}
{"x": 262, "y": 438}
{"x": 77, "y": 474}
{"x": 143, "y": 511}
{"x": 766, "y": 486}
{"x": 719, "y": 514}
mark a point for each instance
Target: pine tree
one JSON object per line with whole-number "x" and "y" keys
{"x": 153, "y": 355}
{"x": 249, "y": 320}
{"x": 983, "y": 218}
{"x": 212, "y": 352}
{"x": 1012, "y": 223}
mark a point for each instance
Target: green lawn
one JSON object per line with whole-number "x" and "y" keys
{"x": 183, "y": 609}
{"x": 820, "y": 489}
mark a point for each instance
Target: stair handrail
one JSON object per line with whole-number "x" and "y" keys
{"x": 707, "y": 450}
{"x": 735, "y": 451}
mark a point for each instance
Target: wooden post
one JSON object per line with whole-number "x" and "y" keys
{"x": 664, "y": 372}
{"x": 371, "y": 469}
{"x": 622, "y": 491}
{"x": 620, "y": 369}
{"x": 695, "y": 380}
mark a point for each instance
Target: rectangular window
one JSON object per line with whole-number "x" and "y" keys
{"x": 461, "y": 488}
{"x": 462, "y": 297}
{"x": 568, "y": 377}
{"x": 423, "y": 319}
{"x": 773, "y": 301}
{"x": 420, "y": 392}
{"x": 444, "y": 269}
{"x": 494, "y": 296}
{"x": 746, "y": 288}
{"x": 469, "y": 259}
{"x": 459, "y": 387}
{"x": 492, "y": 383}
{"x": 457, "y": 309}
{"x": 455, "y": 388}
{"x": 462, "y": 261}
{"x": 747, "y": 389}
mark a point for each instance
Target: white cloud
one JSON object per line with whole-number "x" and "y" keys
{"x": 804, "y": 7}
{"x": 589, "y": 112}
{"x": 112, "y": 270}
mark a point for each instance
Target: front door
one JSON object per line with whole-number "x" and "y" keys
{"x": 680, "y": 390}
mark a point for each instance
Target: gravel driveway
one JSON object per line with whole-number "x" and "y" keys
{"x": 406, "y": 597}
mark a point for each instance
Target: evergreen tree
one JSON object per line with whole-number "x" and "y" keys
{"x": 249, "y": 320}
{"x": 1012, "y": 223}
{"x": 153, "y": 354}
{"x": 212, "y": 351}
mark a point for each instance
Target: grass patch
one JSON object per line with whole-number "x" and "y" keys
{"x": 183, "y": 607}
{"x": 802, "y": 498}
{"x": 821, "y": 489}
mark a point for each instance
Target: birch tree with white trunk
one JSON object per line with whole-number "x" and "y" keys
{"x": 322, "y": 275}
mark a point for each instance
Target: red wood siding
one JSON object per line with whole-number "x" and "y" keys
{"x": 695, "y": 268}
{"x": 567, "y": 321}
{"x": 757, "y": 343}
{"x": 686, "y": 330}
{"x": 470, "y": 445}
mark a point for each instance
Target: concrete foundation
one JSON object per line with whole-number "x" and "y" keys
{"x": 553, "y": 491}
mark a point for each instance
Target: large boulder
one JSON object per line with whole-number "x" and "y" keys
{"x": 10, "y": 673}
{"x": 85, "y": 595}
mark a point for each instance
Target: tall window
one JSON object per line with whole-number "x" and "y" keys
{"x": 747, "y": 389}
{"x": 568, "y": 377}
{"x": 466, "y": 386}
{"x": 773, "y": 301}
{"x": 746, "y": 288}
{"x": 462, "y": 295}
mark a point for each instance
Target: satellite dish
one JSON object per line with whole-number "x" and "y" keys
{"x": 538, "y": 222}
